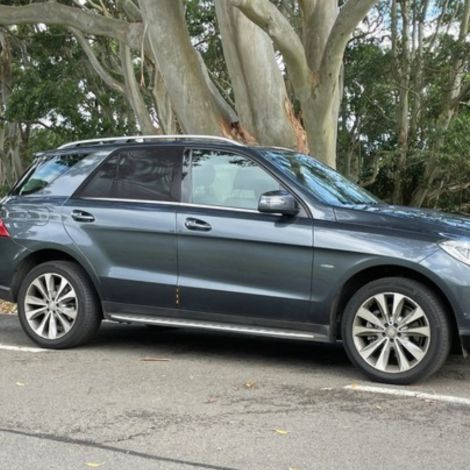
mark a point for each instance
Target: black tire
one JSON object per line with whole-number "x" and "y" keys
{"x": 420, "y": 340}
{"x": 70, "y": 322}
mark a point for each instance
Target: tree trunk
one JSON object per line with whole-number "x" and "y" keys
{"x": 314, "y": 65}
{"x": 260, "y": 93}
{"x": 134, "y": 95}
{"x": 180, "y": 67}
{"x": 402, "y": 67}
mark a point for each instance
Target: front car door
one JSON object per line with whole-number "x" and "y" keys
{"x": 123, "y": 220}
{"x": 235, "y": 263}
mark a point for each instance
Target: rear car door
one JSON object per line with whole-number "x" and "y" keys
{"x": 235, "y": 263}
{"x": 123, "y": 220}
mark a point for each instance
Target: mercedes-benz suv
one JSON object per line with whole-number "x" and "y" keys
{"x": 203, "y": 232}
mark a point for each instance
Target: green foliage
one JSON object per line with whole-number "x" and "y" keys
{"x": 367, "y": 113}
{"x": 3, "y": 190}
{"x": 368, "y": 130}
{"x": 57, "y": 94}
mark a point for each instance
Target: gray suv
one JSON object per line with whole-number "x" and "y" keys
{"x": 203, "y": 232}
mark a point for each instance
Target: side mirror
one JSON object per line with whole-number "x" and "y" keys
{"x": 278, "y": 202}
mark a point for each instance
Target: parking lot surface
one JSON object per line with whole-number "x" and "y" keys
{"x": 144, "y": 398}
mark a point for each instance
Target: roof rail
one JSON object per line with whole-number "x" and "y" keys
{"x": 146, "y": 138}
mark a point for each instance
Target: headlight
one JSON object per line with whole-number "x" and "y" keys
{"x": 459, "y": 249}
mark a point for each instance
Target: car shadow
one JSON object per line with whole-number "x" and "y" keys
{"x": 229, "y": 346}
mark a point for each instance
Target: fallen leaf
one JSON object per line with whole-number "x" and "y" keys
{"x": 94, "y": 464}
{"x": 354, "y": 385}
{"x": 250, "y": 384}
{"x": 378, "y": 407}
{"x": 20, "y": 384}
{"x": 280, "y": 431}
{"x": 154, "y": 359}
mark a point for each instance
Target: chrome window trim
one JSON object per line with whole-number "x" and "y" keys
{"x": 141, "y": 201}
{"x": 172, "y": 203}
{"x": 226, "y": 208}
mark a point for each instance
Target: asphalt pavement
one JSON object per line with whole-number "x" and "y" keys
{"x": 140, "y": 398}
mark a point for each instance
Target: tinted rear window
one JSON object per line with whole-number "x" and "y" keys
{"x": 44, "y": 171}
{"x": 151, "y": 174}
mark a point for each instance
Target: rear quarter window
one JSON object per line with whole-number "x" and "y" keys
{"x": 44, "y": 171}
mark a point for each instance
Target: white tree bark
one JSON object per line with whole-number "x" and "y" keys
{"x": 180, "y": 67}
{"x": 87, "y": 22}
{"x": 134, "y": 94}
{"x": 315, "y": 78}
{"x": 258, "y": 84}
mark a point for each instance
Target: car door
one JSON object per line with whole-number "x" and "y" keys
{"x": 234, "y": 261}
{"x": 123, "y": 220}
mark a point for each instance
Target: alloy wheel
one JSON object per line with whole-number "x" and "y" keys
{"x": 51, "y": 306}
{"x": 391, "y": 332}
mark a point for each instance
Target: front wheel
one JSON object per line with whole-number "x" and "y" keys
{"x": 57, "y": 305}
{"x": 396, "y": 331}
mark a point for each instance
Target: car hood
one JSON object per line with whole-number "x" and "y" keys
{"x": 428, "y": 222}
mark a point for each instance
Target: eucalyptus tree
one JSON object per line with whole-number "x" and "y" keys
{"x": 454, "y": 51}
{"x": 265, "y": 46}
{"x": 10, "y": 133}
{"x": 405, "y": 123}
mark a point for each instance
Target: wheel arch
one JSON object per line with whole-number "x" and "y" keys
{"x": 44, "y": 255}
{"x": 363, "y": 277}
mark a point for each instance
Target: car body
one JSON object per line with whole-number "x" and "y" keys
{"x": 203, "y": 232}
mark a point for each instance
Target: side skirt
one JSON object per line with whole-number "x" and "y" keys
{"x": 227, "y": 327}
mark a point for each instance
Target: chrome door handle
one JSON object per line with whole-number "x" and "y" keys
{"x": 82, "y": 216}
{"x": 197, "y": 225}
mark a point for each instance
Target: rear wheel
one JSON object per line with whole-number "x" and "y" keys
{"x": 57, "y": 305}
{"x": 396, "y": 331}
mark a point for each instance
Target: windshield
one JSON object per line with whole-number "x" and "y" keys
{"x": 324, "y": 183}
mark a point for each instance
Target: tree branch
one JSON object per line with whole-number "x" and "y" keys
{"x": 350, "y": 15}
{"x": 265, "y": 15}
{"x": 131, "y": 10}
{"x": 134, "y": 94}
{"x": 89, "y": 23}
{"x": 227, "y": 111}
{"x": 99, "y": 69}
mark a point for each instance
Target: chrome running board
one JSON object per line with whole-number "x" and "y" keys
{"x": 250, "y": 330}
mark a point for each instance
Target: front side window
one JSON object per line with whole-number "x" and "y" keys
{"x": 151, "y": 174}
{"x": 226, "y": 179}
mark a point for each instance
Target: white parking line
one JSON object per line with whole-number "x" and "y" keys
{"x": 409, "y": 394}
{"x": 7, "y": 347}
